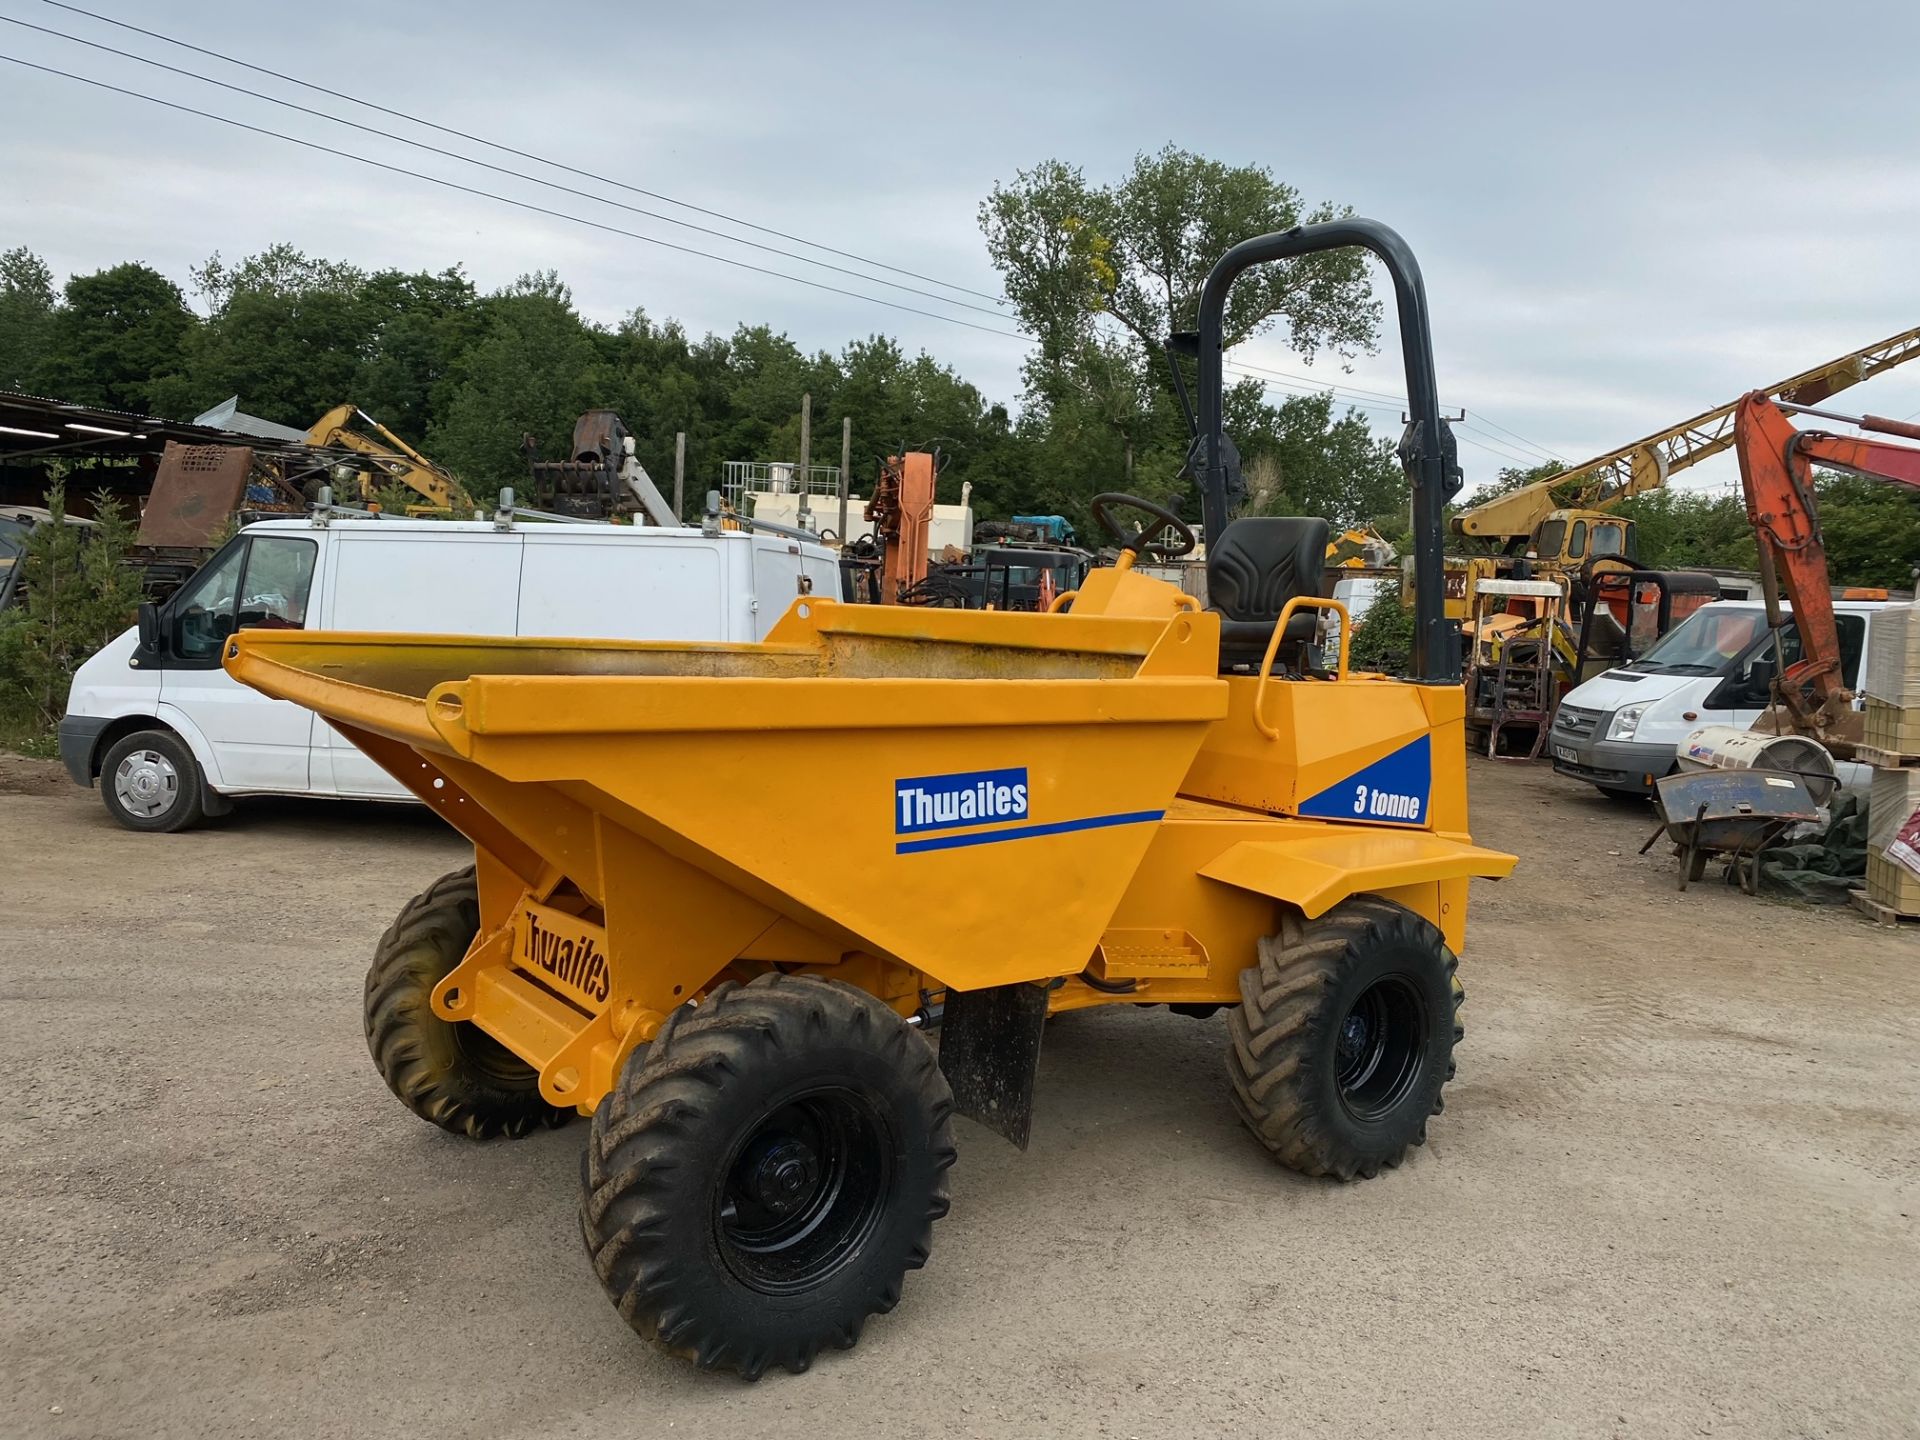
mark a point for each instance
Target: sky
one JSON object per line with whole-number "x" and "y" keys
{"x": 1626, "y": 213}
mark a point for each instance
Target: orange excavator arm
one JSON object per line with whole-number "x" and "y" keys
{"x": 1776, "y": 472}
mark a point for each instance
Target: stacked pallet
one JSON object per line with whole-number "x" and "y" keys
{"x": 1892, "y": 688}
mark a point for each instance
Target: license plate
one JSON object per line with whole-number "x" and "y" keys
{"x": 1566, "y": 753}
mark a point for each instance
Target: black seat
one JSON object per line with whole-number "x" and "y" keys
{"x": 1258, "y": 564}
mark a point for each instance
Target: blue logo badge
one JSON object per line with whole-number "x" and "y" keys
{"x": 946, "y": 802}
{"x": 1393, "y": 790}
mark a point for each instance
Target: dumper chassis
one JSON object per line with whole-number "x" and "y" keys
{"x": 1128, "y": 801}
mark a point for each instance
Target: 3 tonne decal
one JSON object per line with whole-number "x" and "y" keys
{"x": 1394, "y": 789}
{"x": 972, "y": 799}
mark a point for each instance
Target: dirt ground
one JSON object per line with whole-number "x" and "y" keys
{"x": 1674, "y": 1192}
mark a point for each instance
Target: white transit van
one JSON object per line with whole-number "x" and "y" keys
{"x": 1622, "y": 729}
{"x": 170, "y": 736}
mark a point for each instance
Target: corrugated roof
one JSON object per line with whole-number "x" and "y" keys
{"x": 228, "y": 415}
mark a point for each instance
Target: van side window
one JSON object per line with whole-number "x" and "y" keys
{"x": 203, "y": 614}
{"x": 1853, "y": 640}
{"x": 279, "y": 577}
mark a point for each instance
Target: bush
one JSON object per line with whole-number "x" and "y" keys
{"x": 1383, "y": 636}
{"x": 78, "y": 593}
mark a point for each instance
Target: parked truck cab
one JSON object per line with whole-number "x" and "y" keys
{"x": 1622, "y": 730}
{"x": 170, "y": 737}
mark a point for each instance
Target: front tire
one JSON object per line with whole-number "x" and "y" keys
{"x": 150, "y": 782}
{"x": 766, "y": 1172}
{"x": 448, "y": 1072}
{"x": 1344, "y": 1038}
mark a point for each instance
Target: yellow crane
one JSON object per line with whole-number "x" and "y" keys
{"x": 396, "y": 460}
{"x": 1518, "y": 518}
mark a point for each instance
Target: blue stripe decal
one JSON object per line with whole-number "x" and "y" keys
{"x": 1026, "y": 832}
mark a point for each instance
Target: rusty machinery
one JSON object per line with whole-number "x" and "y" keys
{"x": 902, "y": 514}
{"x": 1776, "y": 474}
{"x": 600, "y": 478}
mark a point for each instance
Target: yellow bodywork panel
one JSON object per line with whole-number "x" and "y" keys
{"x": 1077, "y": 799}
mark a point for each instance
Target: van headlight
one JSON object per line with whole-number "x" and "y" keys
{"x": 1625, "y": 722}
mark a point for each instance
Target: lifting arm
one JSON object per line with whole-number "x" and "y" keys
{"x": 1776, "y": 472}
{"x": 396, "y": 459}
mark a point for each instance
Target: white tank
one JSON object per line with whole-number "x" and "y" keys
{"x": 1728, "y": 747}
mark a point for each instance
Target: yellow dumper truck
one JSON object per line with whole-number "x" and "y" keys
{"x": 1130, "y": 801}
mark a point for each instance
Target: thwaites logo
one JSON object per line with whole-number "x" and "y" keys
{"x": 945, "y": 802}
{"x": 555, "y": 945}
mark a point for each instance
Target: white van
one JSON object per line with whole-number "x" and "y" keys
{"x": 1622, "y": 729}
{"x": 171, "y": 736}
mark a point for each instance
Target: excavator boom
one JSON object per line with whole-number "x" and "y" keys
{"x": 1776, "y": 473}
{"x": 394, "y": 458}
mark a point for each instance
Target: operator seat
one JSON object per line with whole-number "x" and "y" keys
{"x": 1258, "y": 564}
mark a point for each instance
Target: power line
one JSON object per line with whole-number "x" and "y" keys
{"x": 501, "y": 169}
{"x": 1398, "y": 399}
{"x": 506, "y": 199}
{"x": 1486, "y": 443}
{"x": 504, "y": 149}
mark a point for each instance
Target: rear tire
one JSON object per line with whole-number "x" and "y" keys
{"x": 1344, "y": 1038}
{"x": 448, "y": 1072}
{"x": 150, "y": 782}
{"x": 766, "y": 1172}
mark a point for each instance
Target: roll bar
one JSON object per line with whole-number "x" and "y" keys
{"x": 1427, "y": 449}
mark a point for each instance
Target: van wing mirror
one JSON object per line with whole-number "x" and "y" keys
{"x": 149, "y": 623}
{"x": 1761, "y": 674}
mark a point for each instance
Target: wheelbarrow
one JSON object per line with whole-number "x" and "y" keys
{"x": 1729, "y": 814}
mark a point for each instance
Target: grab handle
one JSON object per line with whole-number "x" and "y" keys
{"x": 1298, "y": 602}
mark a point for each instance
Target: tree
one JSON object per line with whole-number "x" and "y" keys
{"x": 116, "y": 334}
{"x": 1100, "y": 275}
{"x": 533, "y": 373}
{"x": 79, "y": 594}
{"x": 278, "y": 270}
{"x": 1872, "y": 530}
{"x": 1309, "y": 463}
{"x": 1071, "y": 254}
{"x": 26, "y": 316}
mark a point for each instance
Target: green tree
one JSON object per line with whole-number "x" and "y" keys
{"x": 1310, "y": 463}
{"x": 116, "y": 333}
{"x": 533, "y": 373}
{"x": 26, "y": 317}
{"x": 79, "y": 594}
{"x": 1872, "y": 530}
{"x": 1071, "y": 253}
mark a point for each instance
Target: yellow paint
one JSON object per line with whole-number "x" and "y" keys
{"x": 635, "y": 803}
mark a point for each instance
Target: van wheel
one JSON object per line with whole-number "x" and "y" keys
{"x": 150, "y": 781}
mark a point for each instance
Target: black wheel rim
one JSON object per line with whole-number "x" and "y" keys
{"x": 1379, "y": 1047}
{"x": 803, "y": 1191}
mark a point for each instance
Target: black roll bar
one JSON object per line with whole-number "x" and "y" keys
{"x": 1427, "y": 451}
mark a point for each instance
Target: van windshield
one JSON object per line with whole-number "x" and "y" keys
{"x": 1707, "y": 642}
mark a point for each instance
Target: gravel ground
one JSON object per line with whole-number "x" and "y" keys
{"x": 1674, "y": 1191}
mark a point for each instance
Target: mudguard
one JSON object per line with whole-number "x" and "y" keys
{"x": 1318, "y": 866}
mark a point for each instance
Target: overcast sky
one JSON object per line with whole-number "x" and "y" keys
{"x": 1626, "y": 212}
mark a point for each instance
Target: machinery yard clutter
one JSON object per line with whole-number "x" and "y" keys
{"x": 1129, "y": 801}
{"x": 171, "y": 737}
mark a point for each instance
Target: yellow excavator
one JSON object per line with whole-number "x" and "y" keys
{"x": 1564, "y": 520}
{"x": 394, "y": 459}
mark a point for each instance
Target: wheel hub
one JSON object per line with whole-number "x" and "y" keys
{"x": 1379, "y": 1048}
{"x": 146, "y": 783}
{"x": 785, "y": 1176}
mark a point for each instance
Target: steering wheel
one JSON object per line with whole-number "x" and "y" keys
{"x": 1146, "y": 541}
